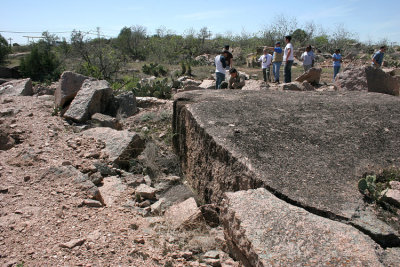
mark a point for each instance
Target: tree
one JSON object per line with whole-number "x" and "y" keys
{"x": 4, "y": 49}
{"x": 41, "y": 64}
{"x": 100, "y": 59}
{"x": 300, "y": 36}
{"x": 131, "y": 41}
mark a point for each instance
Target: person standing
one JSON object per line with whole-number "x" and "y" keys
{"x": 307, "y": 57}
{"x": 220, "y": 65}
{"x": 277, "y": 59}
{"x": 228, "y": 58}
{"x": 288, "y": 58}
{"x": 377, "y": 58}
{"x": 337, "y": 60}
{"x": 266, "y": 60}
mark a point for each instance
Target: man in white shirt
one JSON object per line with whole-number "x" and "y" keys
{"x": 220, "y": 65}
{"x": 266, "y": 60}
{"x": 288, "y": 58}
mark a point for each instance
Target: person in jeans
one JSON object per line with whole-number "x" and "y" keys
{"x": 377, "y": 59}
{"x": 265, "y": 60}
{"x": 220, "y": 65}
{"x": 277, "y": 59}
{"x": 288, "y": 58}
{"x": 307, "y": 57}
{"x": 337, "y": 60}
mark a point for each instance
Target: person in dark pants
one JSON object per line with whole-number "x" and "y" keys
{"x": 288, "y": 58}
{"x": 220, "y": 65}
{"x": 228, "y": 58}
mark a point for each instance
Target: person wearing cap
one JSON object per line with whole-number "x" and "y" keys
{"x": 277, "y": 59}
{"x": 288, "y": 58}
{"x": 236, "y": 81}
{"x": 220, "y": 65}
{"x": 265, "y": 60}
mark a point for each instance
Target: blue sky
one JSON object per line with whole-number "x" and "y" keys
{"x": 370, "y": 20}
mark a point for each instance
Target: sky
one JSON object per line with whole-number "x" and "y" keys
{"x": 370, "y": 21}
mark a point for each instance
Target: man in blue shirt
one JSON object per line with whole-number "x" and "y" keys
{"x": 337, "y": 60}
{"x": 377, "y": 59}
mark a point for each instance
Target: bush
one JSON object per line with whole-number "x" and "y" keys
{"x": 154, "y": 69}
{"x": 41, "y": 64}
{"x": 4, "y": 49}
{"x": 159, "y": 88}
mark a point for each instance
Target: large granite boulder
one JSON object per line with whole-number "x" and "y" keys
{"x": 17, "y": 88}
{"x": 312, "y": 76}
{"x": 352, "y": 79}
{"x": 380, "y": 81}
{"x": 93, "y": 97}
{"x": 310, "y": 148}
{"x": 120, "y": 146}
{"x": 68, "y": 86}
{"x": 126, "y": 104}
{"x": 262, "y": 230}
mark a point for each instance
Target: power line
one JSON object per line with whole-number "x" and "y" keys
{"x": 32, "y": 32}
{"x": 88, "y": 32}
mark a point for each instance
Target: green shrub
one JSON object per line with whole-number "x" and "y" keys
{"x": 154, "y": 69}
{"x": 41, "y": 64}
{"x": 158, "y": 88}
{"x": 4, "y": 49}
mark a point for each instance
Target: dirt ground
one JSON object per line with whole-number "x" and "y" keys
{"x": 42, "y": 219}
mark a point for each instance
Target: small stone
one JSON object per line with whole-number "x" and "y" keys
{"x": 146, "y": 192}
{"x": 144, "y": 204}
{"x": 156, "y": 208}
{"x": 73, "y": 243}
{"x": 66, "y": 163}
{"x": 3, "y": 190}
{"x": 213, "y": 262}
{"x": 92, "y": 203}
{"x": 393, "y": 197}
{"x": 139, "y": 240}
{"x": 212, "y": 254}
{"x": 27, "y": 178}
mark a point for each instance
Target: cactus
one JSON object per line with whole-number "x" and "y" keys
{"x": 362, "y": 185}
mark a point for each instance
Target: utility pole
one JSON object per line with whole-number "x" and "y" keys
{"x": 10, "y": 39}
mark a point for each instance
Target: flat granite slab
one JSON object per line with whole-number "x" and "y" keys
{"x": 262, "y": 230}
{"x": 308, "y": 148}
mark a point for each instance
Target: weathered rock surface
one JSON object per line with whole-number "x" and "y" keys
{"x": 312, "y": 76}
{"x": 208, "y": 84}
{"x": 263, "y": 230}
{"x": 184, "y": 215}
{"x": 310, "y": 148}
{"x": 380, "y": 82}
{"x": 121, "y": 146}
{"x": 297, "y": 86}
{"x": 146, "y": 191}
{"x": 17, "y": 88}
{"x": 102, "y": 120}
{"x": 93, "y": 97}
{"x": 69, "y": 85}
{"x": 255, "y": 85}
{"x": 111, "y": 190}
{"x": 123, "y": 105}
{"x": 352, "y": 79}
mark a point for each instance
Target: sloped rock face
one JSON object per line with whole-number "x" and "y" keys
{"x": 121, "y": 146}
{"x": 94, "y": 97}
{"x": 255, "y": 85}
{"x": 312, "y": 76}
{"x": 297, "y": 86}
{"x": 262, "y": 230}
{"x": 17, "y": 88}
{"x": 69, "y": 85}
{"x": 184, "y": 215}
{"x": 381, "y": 82}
